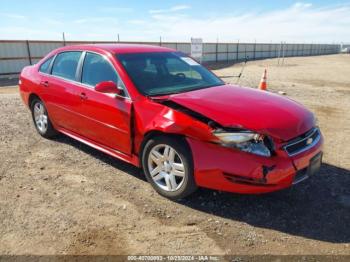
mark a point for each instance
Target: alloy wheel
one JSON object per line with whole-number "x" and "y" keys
{"x": 166, "y": 167}
{"x": 40, "y": 117}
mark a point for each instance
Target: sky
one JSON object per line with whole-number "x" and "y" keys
{"x": 323, "y": 21}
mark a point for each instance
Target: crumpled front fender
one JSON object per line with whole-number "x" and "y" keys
{"x": 152, "y": 116}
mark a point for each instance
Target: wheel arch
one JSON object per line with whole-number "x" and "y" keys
{"x": 156, "y": 133}
{"x": 31, "y": 98}
{"x": 181, "y": 147}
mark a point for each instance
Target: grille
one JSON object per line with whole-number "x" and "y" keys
{"x": 303, "y": 143}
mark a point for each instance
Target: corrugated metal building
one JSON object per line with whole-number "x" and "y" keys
{"x": 14, "y": 54}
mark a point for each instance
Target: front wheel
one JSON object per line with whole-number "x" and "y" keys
{"x": 168, "y": 166}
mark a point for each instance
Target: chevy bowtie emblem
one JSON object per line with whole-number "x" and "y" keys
{"x": 309, "y": 141}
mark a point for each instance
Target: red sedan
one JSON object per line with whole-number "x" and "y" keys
{"x": 160, "y": 110}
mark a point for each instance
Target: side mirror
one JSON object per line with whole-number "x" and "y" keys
{"x": 108, "y": 87}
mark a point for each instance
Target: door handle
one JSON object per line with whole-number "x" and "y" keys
{"x": 83, "y": 96}
{"x": 44, "y": 83}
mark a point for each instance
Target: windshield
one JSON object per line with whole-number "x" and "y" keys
{"x": 166, "y": 73}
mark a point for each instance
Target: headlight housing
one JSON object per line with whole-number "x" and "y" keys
{"x": 246, "y": 141}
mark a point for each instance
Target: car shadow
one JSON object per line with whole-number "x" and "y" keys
{"x": 107, "y": 159}
{"x": 318, "y": 208}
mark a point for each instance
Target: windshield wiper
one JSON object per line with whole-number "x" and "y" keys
{"x": 186, "y": 90}
{"x": 166, "y": 94}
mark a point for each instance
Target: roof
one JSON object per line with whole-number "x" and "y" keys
{"x": 121, "y": 48}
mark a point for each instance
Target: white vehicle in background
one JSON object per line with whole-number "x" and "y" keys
{"x": 345, "y": 50}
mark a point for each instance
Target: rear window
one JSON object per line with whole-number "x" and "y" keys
{"x": 65, "y": 65}
{"x": 44, "y": 68}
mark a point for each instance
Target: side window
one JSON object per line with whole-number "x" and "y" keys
{"x": 96, "y": 70}
{"x": 44, "y": 68}
{"x": 65, "y": 64}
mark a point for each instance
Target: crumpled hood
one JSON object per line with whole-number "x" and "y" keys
{"x": 234, "y": 106}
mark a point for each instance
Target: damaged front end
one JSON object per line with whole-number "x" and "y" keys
{"x": 229, "y": 158}
{"x": 231, "y": 137}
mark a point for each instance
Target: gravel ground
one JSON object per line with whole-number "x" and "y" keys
{"x": 62, "y": 197}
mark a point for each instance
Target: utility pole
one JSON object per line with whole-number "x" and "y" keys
{"x": 217, "y": 50}
{"x": 28, "y": 51}
{"x": 279, "y": 54}
{"x": 254, "y": 48}
{"x": 283, "y": 53}
{"x": 64, "y": 39}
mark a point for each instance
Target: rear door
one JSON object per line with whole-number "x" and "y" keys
{"x": 62, "y": 90}
{"x": 106, "y": 116}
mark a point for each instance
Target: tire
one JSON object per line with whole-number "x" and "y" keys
{"x": 168, "y": 166}
{"x": 41, "y": 119}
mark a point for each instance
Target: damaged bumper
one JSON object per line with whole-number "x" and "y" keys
{"x": 225, "y": 169}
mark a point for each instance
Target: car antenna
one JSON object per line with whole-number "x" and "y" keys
{"x": 240, "y": 73}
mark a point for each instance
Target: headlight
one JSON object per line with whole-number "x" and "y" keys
{"x": 246, "y": 141}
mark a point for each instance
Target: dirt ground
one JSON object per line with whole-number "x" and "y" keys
{"x": 62, "y": 197}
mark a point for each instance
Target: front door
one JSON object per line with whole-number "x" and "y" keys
{"x": 106, "y": 118}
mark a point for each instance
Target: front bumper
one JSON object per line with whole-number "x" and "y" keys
{"x": 226, "y": 169}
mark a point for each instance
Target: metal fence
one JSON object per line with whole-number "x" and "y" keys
{"x": 15, "y": 54}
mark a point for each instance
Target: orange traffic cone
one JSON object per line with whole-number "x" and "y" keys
{"x": 263, "y": 84}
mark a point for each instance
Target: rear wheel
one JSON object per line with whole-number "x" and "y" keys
{"x": 41, "y": 119}
{"x": 167, "y": 163}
